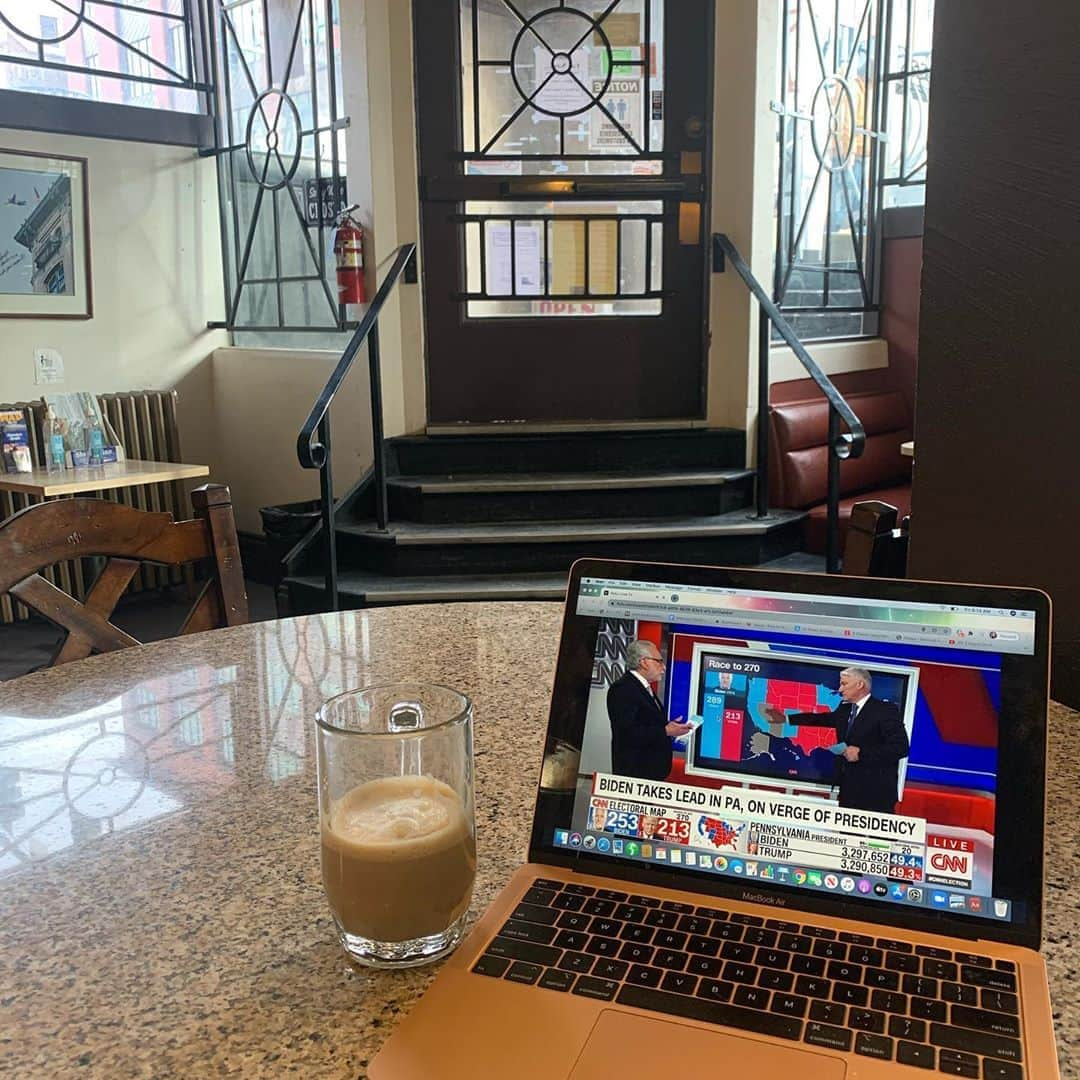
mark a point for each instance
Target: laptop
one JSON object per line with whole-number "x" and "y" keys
{"x": 821, "y": 855}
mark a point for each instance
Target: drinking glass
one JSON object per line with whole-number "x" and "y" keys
{"x": 395, "y": 778}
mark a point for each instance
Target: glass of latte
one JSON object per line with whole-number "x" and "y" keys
{"x": 395, "y": 766}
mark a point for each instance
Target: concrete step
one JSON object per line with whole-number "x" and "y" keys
{"x": 411, "y": 533}
{"x": 415, "y": 548}
{"x": 571, "y": 451}
{"x": 357, "y": 589}
{"x": 490, "y": 497}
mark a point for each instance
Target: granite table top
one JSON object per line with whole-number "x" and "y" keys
{"x": 161, "y": 909}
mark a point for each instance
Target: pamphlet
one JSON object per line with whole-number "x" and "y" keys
{"x": 15, "y": 442}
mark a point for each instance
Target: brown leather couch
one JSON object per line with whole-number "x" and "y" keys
{"x": 798, "y": 465}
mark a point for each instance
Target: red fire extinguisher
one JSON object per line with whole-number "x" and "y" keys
{"x": 349, "y": 250}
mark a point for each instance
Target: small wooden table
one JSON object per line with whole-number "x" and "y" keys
{"x": 121, "y": 474}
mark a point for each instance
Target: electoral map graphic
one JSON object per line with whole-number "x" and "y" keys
{"x": 731, "y": 690}
{"x": 732, "y": 711}
{"x": 734, "y": 729}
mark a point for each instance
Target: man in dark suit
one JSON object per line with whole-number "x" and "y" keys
{"x": 640, "y": 734}
{"x": 870, "y": 737}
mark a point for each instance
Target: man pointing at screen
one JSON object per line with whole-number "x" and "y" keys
{"x": 871, "y": 741}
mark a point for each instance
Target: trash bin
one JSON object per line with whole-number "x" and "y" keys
{"x": 286, "y": 524}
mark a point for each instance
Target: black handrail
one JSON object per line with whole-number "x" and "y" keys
{"x": 314, "y": 453}
{"x": 840, "y": 446}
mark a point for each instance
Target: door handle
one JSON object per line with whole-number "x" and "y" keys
{"x": 643, "y": 187}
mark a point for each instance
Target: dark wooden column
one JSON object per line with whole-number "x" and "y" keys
{"x": 997, "y": 466}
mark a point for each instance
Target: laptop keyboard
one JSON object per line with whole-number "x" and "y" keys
{"x": 956, "y": 1013}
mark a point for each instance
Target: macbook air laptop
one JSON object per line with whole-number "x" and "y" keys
{"x": 802, "y": 838}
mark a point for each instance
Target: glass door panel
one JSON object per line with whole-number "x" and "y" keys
{"x": 544, "y": 85}
{"x": 563, "y": 258}
{"x": 563, "y": 150}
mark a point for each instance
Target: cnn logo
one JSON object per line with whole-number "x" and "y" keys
{"x": 948, "y": 863}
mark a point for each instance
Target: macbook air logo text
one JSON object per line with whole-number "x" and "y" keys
{"x": 762, "y": 898}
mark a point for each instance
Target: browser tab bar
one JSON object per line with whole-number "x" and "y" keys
{"x": 840, "y": 618}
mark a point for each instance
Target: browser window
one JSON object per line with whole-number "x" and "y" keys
{"x": 829, "y": 743}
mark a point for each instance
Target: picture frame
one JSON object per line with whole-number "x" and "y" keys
{"x": 45, "y": 268}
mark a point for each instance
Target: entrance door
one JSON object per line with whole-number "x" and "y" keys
{"x": 564, "y": 148}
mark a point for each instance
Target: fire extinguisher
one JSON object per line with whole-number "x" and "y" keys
{"x": 349, "y": 250}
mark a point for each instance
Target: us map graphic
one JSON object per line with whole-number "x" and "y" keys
{"x": 732, "y": 699}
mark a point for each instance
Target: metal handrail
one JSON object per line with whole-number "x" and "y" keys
{"x": 313, "y": 447}
{"x": 309, "y": 452}
{"x": 841, "y": 445}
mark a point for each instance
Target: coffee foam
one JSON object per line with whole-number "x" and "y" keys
{"x": 397, "y": 817}
{"x": 395, "y": 809}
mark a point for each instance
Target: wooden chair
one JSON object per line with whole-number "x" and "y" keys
{"x": 876, "y": 546}
{"x": 51, "y": 532}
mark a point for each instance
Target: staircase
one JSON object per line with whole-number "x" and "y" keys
{"x": 806, "y": 290}
{"x": 504, "y": 517}
{"x": 461, "y": 517}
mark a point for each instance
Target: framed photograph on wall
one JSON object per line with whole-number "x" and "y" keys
{"x": 44, "y": 237}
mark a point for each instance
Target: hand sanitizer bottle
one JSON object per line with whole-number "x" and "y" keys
{"x": 95, "y": 440}
{"x": 54, "y": 444}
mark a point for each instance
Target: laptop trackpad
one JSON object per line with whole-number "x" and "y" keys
{"x": 628, "y": 1044}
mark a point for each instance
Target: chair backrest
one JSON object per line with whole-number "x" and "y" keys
{"x": 40, "y": 536}
{"x": 876, "y": 545}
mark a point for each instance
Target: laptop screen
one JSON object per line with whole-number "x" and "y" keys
{"x": 845, "y": 746}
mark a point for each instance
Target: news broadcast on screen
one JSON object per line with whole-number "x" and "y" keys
{"x": 825, "y": 743}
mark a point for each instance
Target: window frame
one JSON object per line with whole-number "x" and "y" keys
{"x": 880, "y": 48}
{"x": 56, "y": 114}
{"x": 50, "y": 278}
{"x": 906, "y": 77}
{"x": 236, "y": 143}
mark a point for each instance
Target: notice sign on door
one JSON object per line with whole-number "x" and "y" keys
{"x": 608, "y": 130}
{"x": 562, "y": 90}
{"x": 517, "y": 273}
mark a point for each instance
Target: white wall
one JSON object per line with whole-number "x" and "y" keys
{"x": 381, "y": 143}
{"x": 156, "y": 277}
{"x": 743, "y": 177}
{"x": 261, "y": 400}
{"x": 833, "y": 357}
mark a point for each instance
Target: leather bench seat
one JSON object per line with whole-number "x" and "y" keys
{"x": 798, "y": 460}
